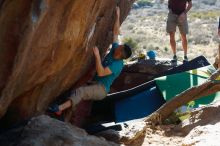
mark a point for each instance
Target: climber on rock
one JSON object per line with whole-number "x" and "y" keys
{"x": 107, "y": 72}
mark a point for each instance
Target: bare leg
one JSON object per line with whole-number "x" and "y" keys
{"x": 65, "y": 105}
{"x": 173, "y": 42}
{"x": 184, "y": 43}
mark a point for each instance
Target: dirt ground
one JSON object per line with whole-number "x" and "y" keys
{"x": 163, "y": 135}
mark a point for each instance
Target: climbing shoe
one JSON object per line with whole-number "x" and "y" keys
{"x": 54, "y": 108}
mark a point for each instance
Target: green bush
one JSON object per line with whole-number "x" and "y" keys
{"x": 205, "y": 15}
{"x": 178, "y": 116}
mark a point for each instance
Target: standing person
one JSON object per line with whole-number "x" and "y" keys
{"x": 177, "y": 16}
{"x": 107, "y": 72}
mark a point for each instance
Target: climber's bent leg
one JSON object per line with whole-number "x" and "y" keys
{"x": 91, "y": 92}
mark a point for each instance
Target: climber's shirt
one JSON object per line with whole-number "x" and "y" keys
{"x": 114, "y": 65}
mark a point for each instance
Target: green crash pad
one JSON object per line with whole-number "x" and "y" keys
{"x": 172, "y": 85}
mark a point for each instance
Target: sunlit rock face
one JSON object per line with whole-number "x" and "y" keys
{"x": 202, "y": 128}
{"x": 46, "y": 48}
{"x": 203, "y": 135}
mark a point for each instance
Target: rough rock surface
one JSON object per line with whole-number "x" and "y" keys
{"x": 201, "y": 117}
{"x": 45, "y": 131}
{"x": 128, "y": 133}
{"x": 45, "y": 48}
{"x": 202, "y": 128}
{"x": 203, "y": 135}
{"x": 140, "y": 72}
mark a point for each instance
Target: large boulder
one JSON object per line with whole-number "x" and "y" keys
{"x": 46, "y": 48}
{"x": 202, "y": 128}
{"x": 45, "y": 131}
{"x": 201, "y": 117}
{"x": 203, "y": 135}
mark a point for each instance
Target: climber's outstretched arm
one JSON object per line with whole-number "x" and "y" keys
{"x": 116, "y": 29}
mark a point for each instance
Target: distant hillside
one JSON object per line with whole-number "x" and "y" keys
{"x": 145, "y": 27}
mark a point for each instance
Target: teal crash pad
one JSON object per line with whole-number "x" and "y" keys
{"x": 172, "y": 85}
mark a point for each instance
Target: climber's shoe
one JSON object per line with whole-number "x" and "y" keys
{"x": 54, "y": 108}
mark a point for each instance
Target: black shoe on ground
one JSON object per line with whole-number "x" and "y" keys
{"x": 174, "y": 60}
{"x": 174, "y": 57}
{"x": 185, "y": 59}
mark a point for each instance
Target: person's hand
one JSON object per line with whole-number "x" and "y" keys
{"x": 96, "y": 51}
{"x": 182, "y": 17}
{"x": 117, "y": 11}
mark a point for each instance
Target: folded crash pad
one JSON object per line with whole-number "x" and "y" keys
{"x": 107, "y": 108}
{"x": 139, "y": 105}
{"x": 195, "y": 63}
{"x": 172, "y": 85}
